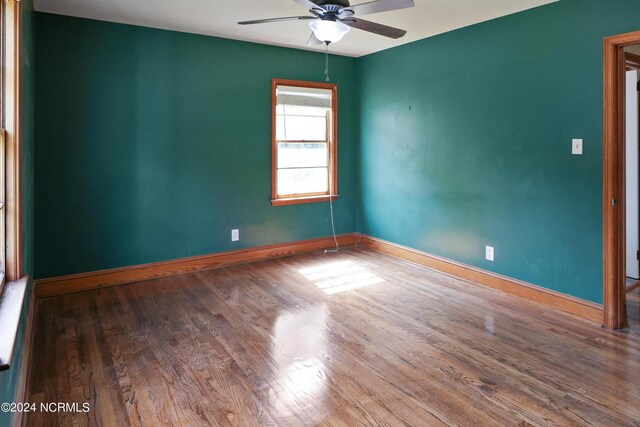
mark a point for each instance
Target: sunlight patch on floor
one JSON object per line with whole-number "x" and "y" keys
{"x": 340, "y": 276}
{"x": 299, "y": 347}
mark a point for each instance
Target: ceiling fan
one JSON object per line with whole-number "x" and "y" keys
{"x": 330, "y": 20}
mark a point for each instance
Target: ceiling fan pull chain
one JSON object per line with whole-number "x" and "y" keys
{"x": 326, "y": 62}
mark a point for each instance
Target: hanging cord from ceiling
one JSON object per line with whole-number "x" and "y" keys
{"x": 326, "y": 61}
{"x": 333, "y": 225}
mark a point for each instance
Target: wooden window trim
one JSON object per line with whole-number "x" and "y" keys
{"x": 13, "y": 294}
{"x": 12, "y": 124}
{"x": 333, "y": 146}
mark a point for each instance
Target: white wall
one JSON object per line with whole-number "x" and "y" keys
{"x": 633, "y": 234}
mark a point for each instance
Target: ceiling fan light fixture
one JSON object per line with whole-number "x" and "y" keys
{"x": 328, "y": 31}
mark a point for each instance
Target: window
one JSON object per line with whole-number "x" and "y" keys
{"x": 3, "y": 61}
{"x": 10, "y": 122}
{"x": 12, "y": 293}
{"x": 3, "y": 211}
{"x": 304, "y": 147}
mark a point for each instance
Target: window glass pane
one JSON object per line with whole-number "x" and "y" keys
{"x": 303, "y": 181}
{"x": 294, "y": 110}
{"x": 302, "y": 155}
{"x": 3, "y": 210}
{"x": 304, "y": 96}
{"x": 301, "y": 128}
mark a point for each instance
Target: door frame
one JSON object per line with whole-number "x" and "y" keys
{"x": 615, "y": 65}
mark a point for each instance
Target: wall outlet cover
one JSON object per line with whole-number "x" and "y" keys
{"x": 576, "y": 146}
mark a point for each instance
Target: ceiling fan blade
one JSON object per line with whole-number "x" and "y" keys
{"x": 309, "y": 4}
{"x": 374, "y": 27}
{"x": 313, "y": 40}
{"x": 286, "y": 18}
{"x": 378, "y": 6}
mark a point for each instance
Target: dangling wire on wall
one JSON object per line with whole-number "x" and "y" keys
{"x": 333, "y": 225}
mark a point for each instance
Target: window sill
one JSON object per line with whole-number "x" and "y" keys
{"x": 301, "y": 200}
{"x": 11, "y": 304}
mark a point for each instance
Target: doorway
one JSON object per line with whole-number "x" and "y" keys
{"x": 616, "y": 62}
{"x": 632, "y": 183}
{"x": 632, "y": 76}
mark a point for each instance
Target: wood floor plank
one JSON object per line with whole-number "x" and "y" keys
{"x": 448, "y": 362}
{"x": 350, "y": 339}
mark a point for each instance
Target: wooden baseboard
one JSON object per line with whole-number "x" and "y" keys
{"x": 19, "y": 418}
{"x": 118, "y": 276}
{"x": 562, "y": 302}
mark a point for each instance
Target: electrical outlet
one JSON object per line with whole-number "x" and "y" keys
{"x": 235, "y": 235}
{"x": 488, "y": 253}
{"x": 576, "y": 146}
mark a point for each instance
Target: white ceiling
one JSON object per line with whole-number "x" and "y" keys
{"x": 635, "y": 49}
{"x": 220, "y": 17}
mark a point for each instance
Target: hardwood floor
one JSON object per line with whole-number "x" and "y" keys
{"x": 633, "y": 310}
{"x": 357, "y": 338}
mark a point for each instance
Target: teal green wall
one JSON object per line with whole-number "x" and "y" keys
{"x": 466, "y": 142}
{"x": 153, "y": 145}
{"x": 9, "y": 379}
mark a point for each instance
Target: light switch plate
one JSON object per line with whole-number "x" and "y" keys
{"x": 488, "y": 253}
{"x": 576, "y": 146}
